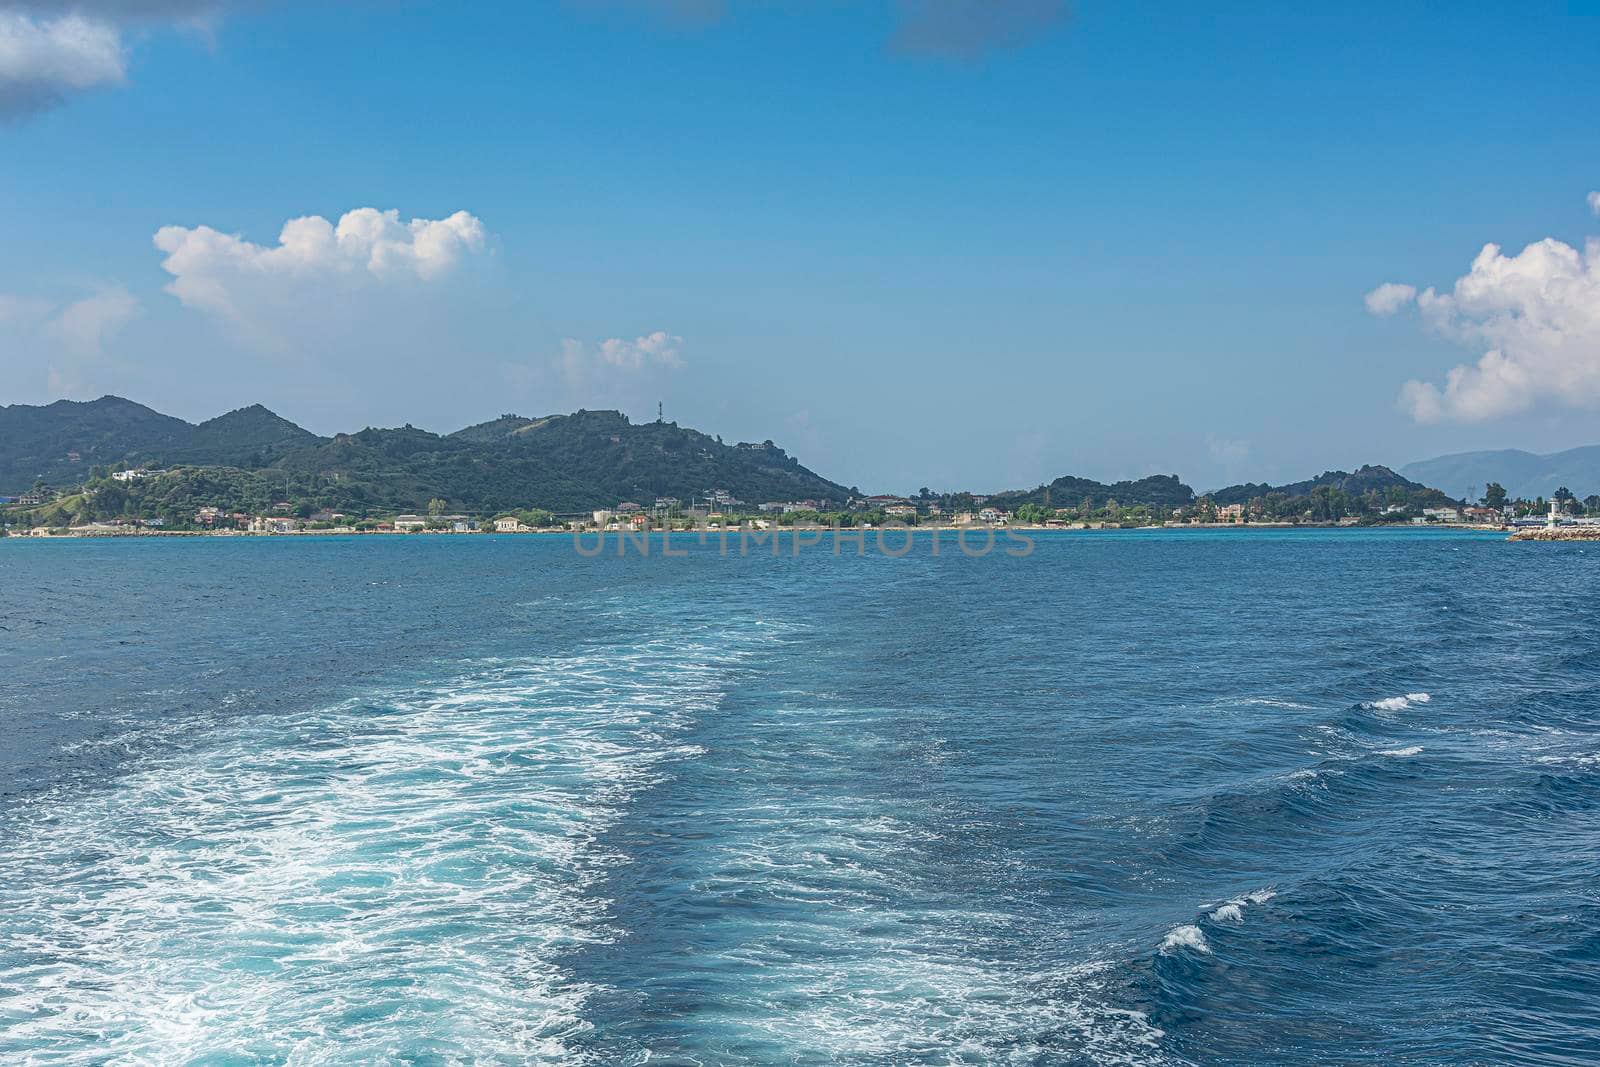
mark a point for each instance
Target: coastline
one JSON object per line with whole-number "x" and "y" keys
{"x": 1537, "y": 534}
{"x": 1557, "y": 533}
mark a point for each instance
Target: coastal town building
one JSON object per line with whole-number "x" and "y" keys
{"x": 272, "y": 524}
{"x": 509, "y": 524}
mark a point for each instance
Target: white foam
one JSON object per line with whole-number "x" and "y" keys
{"x": 1400, "y": 753}
{"x": 1399, "y": 703}
{"x": 311, "y": 885}
{"x": 1233, "y": 910}
{"x": 1187, "y": 936}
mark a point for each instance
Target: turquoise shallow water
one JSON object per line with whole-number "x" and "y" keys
{"x": 1177, "y": 797}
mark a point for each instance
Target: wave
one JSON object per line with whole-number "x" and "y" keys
{"x": 1399, "y": 703}
{"x": 1409, "y": 750}
{"x": 1187, "y": 936}
{"x": 1232, "y": 911}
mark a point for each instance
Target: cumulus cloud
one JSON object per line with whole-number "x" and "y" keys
{"x": 1390, "y": 297}
{"x": 44, "y": 60}
{"x": 52, "y": 50}
{"x": 658, "y": 349}
{"x": 1594, "y": 202}
{"x": 1536, "y": 318}
{"x": 224, "y": 274}
{"x": 602, "y": 369}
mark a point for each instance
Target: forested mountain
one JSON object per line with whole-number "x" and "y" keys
{"x": 248, "y": 437}
{"x": 563, "y": 463}
{"x": 1158, "y": 490}
{"x": 1367, "y": 479}
{"x": 59, "y": 443}
{"x": 251, "y": 458}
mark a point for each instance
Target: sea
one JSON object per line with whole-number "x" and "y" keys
{"x": 1126, "y": 797}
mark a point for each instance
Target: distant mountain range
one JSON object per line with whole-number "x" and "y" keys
{"x": 561, "y": 462}
{"x": 252, "y": 458}
{"x": 1524, "y": 474}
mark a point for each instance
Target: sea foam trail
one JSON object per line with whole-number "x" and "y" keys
{"x": 387, "y": 880}
{"x": 840, "y": 937}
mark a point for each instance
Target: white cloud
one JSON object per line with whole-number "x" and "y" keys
{"x": 1536, "y": 318}
{"x": 69, "y": 341}
{"x": 1390, "y": 297}
{"x": 1594, "y": 202}
{"x": 51, "y": 50}
{"x": 225, "y": 274}
{"x": 600, "y": 369}
{"x": 44, "y": 60}
{"x": 84, "y": 326}
{"x": 659, "y": 348}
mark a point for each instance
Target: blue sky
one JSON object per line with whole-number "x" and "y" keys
{"x": 952, "y": 252}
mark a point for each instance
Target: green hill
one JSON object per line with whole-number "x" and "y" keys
{"x": 1158, "y": 490}
{"x": 251, "y": 458}
{"x": 562, "y": 463}
{"x": 58, "y": 443}
{"x": 1367, "y": 479}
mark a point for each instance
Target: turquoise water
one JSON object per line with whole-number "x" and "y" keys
{"x": 1166, "y": 797}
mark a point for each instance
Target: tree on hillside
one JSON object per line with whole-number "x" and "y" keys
{"x": 1494, "y": 495}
